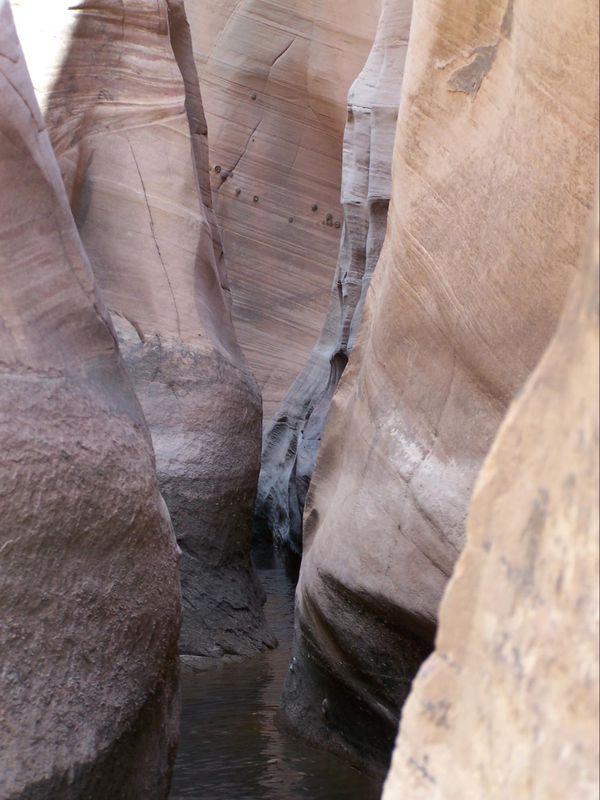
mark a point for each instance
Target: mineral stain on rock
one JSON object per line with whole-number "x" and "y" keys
{"x": 468, "y": 79}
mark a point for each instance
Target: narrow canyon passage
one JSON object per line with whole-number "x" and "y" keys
{"x": 299, "y": 400}
{"x": 233, "y": 743}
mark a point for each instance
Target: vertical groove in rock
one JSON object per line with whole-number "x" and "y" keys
{"x": 181, "y": 42}
{"x": 125, "y": 116}
{"x": 508, "y": 704}
{"x": 484, "y": 234}
{"x": 89, "y": 588}
{"x": 292, "y": 439}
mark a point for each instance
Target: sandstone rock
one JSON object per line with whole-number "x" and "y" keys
{"x": 275, "y": 78}
{"x": 508, "y": 704}
{"x": 292, "y": 440}
{"x": 133, "y": 151}
{"x": 493, "y": 176}
{"x": 89, "y": 588}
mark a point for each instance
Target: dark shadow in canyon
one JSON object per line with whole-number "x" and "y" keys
{"x": 233, "y": 744}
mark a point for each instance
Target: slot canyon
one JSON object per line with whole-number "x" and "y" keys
{"x": 299, "y": 398}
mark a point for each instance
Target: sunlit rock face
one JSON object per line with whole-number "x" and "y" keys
{"x": 275, "y": 78}
{"x": 493, "y": 170}
{"x": 89, "y": 588}
{"x": 124, "y": 112}
{"x": 292, "y": 440}
{"x": 508, "y": 704}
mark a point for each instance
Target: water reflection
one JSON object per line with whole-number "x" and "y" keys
{"x": 231, "y": 747}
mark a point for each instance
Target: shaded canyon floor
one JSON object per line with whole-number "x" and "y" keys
{"x": 232, "y": 743}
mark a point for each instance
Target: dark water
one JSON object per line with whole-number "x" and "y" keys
{"x": 231, "y": 747}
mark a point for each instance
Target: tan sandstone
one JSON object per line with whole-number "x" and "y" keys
{"x": 275, "y": 77}
{"x": 89, "y": 589}
{"x": 493, "y": 178}
{"x": 292, "y": 439}
{"x": 508, "y": 704}
{"x": 121, "y": 99}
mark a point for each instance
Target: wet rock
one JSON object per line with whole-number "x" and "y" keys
{"x": 89, "y": 586}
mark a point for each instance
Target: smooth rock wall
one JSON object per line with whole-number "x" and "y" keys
{"x": 508, "y": 704}
{"x": 89, "y": 588}
{"x": 123, "y": 107}
{"x": 292, "y": 439}
{"x": 493, "y": 171}
{"x": 275, "y": 77}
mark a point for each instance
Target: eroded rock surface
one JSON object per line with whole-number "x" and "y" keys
{"x": 292, "y": 440}
{"x": 492, "y": 183}
{"x": 275, "y": 78}
{"x": 123, "y": 106}
{"x": 89, "y": 589}
{"x": 508, "y": 704}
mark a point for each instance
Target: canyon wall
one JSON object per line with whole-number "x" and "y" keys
{"x": 89, "y": 588}
{"x": 120, "y": 94}
{"x": 508, "y": 704}
{"x": 275, "y": 78}
{"x": 493, "y": 170}
{"x": 293, "y": 438}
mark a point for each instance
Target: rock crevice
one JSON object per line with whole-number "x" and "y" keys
{"x": 292, "y": 439}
